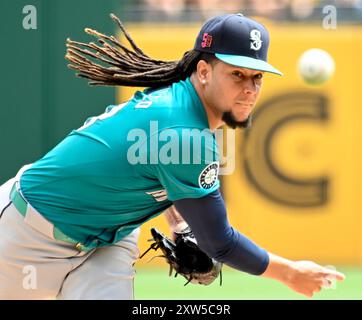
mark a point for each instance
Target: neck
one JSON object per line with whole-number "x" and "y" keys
{"x": 214, "y": 116}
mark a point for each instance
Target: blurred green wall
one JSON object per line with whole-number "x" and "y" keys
{"x": 41, "y": 99}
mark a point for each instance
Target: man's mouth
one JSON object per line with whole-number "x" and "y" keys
{"x": 245, "y": 104}
{"x": 243, "y": 107}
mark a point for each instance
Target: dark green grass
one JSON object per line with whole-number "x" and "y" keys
{"x": 151, "y": 283}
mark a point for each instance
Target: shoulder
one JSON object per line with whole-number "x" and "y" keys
{"x": 173, "y": 107}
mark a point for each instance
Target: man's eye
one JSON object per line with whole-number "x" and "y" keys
{"x": 237, "y": 74}
{"x": 258, "y": 76}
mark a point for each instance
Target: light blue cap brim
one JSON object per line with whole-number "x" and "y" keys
{"x": 247, "y": 62}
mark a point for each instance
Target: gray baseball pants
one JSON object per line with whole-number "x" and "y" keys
{"x": 33, "y": 265}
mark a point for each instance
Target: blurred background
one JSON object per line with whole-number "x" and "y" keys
{"x": 296, "y": 188}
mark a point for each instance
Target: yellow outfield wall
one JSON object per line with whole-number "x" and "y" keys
{"x": 296, "y": 189}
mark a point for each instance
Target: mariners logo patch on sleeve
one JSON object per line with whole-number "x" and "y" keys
{"x": 208, "y": 176}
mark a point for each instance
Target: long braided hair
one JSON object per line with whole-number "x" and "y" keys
{"x": 118, "y": 65}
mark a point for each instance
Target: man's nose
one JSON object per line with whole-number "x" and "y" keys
{"x": 249, "y": 87}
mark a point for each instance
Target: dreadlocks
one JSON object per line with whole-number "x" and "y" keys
{"x": 122, "y": 66}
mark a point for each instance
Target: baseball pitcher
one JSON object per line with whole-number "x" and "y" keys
{"x": 69, "y": 222}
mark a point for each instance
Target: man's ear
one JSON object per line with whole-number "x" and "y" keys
{"x": 203, "y": 71}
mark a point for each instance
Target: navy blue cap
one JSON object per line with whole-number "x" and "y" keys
{"x": 236, "y": 40}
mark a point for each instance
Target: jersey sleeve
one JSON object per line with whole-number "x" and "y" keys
{"x": 192, "y": 172}
{"x": 218, "y": 238}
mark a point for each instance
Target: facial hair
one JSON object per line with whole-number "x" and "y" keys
{"x": 231, "y": 122}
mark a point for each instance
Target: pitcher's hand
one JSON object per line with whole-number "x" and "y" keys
{"x": 305, "y": 277}
{"x": 308, "y": 277}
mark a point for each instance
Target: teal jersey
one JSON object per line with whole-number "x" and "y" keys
{"x": 126, "y": 166}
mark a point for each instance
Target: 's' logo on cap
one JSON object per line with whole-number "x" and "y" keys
{"x": 206, "y": 41}
{"x": 255, "y": 37}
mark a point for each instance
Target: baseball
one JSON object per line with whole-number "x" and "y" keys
{"x": 316, "y": 66}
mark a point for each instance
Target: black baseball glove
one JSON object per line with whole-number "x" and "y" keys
{"x": 186, "y": 258}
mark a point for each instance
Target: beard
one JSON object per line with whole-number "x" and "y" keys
{"x": 231, "y": 122}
